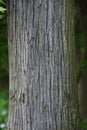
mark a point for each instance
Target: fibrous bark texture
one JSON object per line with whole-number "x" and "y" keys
{"x": 42, "y": 88}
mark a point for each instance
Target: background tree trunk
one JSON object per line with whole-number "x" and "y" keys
{"x": 42, "y": 88}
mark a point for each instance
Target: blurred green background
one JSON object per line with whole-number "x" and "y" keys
{"x": 81, "y": 58}
{"x": 3, "y": 66}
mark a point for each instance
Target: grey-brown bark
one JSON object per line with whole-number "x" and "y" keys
{"x": 42, "y": 88}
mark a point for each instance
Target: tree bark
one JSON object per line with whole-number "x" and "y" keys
{"x": 42, "y": 84}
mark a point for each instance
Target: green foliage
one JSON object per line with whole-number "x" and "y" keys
{"x": 81, "y": 49}
{"x": 3, "y": 59}
{"x": 2, "y": 8}
{"x": 3, "y": 67}
{"x": 1, "y": 1}
{"x": 3, "y": 109}
{"x": 80, "y": 42}
{"x": 3, "y": 50}
{"x": 84, "y": 66}
{"x": 84, "y": 124}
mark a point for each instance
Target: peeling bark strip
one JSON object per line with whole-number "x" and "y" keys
{"x": 42, "y": 89}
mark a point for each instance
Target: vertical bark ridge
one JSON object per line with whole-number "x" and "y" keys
{"x": 41, "y": 49}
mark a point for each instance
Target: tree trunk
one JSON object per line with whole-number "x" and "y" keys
{"x": 42, "y": 87}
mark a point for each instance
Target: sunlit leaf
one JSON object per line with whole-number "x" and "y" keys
{"x": 2, "y": 9}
